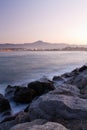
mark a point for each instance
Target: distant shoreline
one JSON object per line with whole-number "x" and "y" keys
{"x": 35, "y": 49}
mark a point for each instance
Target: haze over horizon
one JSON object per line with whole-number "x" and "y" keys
{"x": 59, "y": 21}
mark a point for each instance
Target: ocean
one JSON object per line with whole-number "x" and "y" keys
{"x": 22, "y": 67}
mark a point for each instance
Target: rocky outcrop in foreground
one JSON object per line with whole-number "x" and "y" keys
{"x": 39, "y": 125}
{"x": 60, "y": 104}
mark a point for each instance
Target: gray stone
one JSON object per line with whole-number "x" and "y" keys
{"x": 54, "y": 106}
{"x": 39, "y": 126}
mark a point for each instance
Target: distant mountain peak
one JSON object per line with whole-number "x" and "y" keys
{"x": 39, "y": 42}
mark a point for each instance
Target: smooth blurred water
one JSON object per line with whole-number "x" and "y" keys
{"x": 24, "y": 66}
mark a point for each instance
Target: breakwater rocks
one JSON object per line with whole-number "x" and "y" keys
{"x": 60, "y": 104}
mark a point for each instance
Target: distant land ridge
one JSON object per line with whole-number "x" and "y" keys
{"x": 41, "y": 45}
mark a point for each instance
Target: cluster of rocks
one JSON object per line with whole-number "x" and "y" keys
{"x": 60, "y": 104}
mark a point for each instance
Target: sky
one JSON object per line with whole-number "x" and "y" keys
{"x": 55, "y": 21}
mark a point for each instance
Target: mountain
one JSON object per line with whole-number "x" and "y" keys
{"x": 38, "y": 44}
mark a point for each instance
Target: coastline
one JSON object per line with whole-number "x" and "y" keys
{"x": 68, "y": 86}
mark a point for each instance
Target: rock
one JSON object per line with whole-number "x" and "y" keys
{"x": 22, "y": 117}
{"x": 84, "y": 67}
{"x": 80, "y": 80}
{"x": 4, "y": 104}
{"x": 54, "y": 106}
{"x": 58, "y": 80}
{"x": 66, "y": 89}
{"x": 27, "y": 94}
{"x": 7, "y": 125}
{"x": 41, "y": 87}
{"x": 40, "y": 125}
{"x": 19, "y": 94}
{"x": 10, "y": 91}
{"x": 24, "y": 95}
{"x": 9, "y": 122}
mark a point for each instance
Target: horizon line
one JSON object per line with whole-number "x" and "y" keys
{"x": 15, "y": 43}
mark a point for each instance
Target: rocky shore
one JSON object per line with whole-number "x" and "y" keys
{"x": 59, "y": 104}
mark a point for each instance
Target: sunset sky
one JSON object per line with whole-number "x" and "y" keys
{"x": 55, "y": 21}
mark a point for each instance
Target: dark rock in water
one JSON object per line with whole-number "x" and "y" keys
{"x": 19, "y": 94}
{"x": 58, "y": 78}
{"x": 4, "y": 104}
{"x": 41, "y": 87}
{"x": 10, "y": 91}
{"x": 24, "y": 95}
{"x": 27, "y": 94}
{"x": 83, "y": 68}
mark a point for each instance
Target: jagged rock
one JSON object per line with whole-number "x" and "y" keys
{"x": 40, "y": 125}
{"x": 54, "y": 106}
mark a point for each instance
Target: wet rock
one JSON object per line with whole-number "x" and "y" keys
{"x": 54, "y": 106}
{"x": 41, "y": 87}
{"x": 27, "y": 94}
{"x": 10, "y": 91}
{"x": 4, "y": 104}
{"x": 40, "y": 125}
{"x": 84, "y": 67}
{"x": 19, "y": 94}
{"x": 24, "y": 95}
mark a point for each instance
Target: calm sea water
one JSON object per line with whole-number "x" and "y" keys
{"x": 24, "y": 66}
{"x": 18, "y": 68}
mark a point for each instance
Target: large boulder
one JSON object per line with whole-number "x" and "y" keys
{"x": 39, "y": 125}
{"x": 19, "y": 94}
{"x": 41, "y": 87}
{"x": 56, "y": 105}
{"x": 27, "y": 94}
{"x": 24, "y": 95}
{"x": 66, "y": 89}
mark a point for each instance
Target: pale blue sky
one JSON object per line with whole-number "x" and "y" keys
{"x": 53, "y": 21}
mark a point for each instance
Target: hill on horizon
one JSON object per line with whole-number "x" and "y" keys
{"x": 39, "y": 45}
